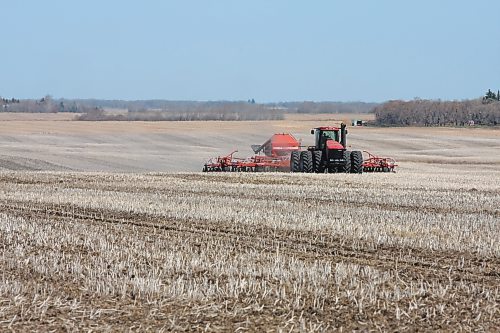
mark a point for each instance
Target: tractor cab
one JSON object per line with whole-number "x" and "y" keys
{"x": 329, "y": 137}
{"x": 321, "y": 136}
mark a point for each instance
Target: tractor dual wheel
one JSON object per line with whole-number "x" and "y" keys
{"x": 295, "y": 161}
{"x": 306, "y": 161}
{"x": 346, "y": 168}
{"x": 356, "y": 162}
{"x": 317, "y": 156}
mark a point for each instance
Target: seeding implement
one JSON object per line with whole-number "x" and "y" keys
{"x": 378, "y": 164}
{"x": 273, "y": 155}
{"x": 283, "y": 152}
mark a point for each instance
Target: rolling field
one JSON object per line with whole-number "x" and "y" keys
{"x": 52, "y": 142}
{"x": 126, "y": 250}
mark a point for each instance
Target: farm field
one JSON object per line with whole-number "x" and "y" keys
{"x": 53, "y": 142}
{"x": 120, "y": 241}
{"x": 190, "y": 251}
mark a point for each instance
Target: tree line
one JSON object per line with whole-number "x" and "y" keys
{"x": 491, "y": 97}
{"x": 325, "y": 107}
{"x": 418, "y": 112}
{"x": 46, "y": 104}
{"x": 180, "y": 106}
{"x": 212, "y": 111}
{"x": 485, "y": 111}
{"x": 94, "y": 109}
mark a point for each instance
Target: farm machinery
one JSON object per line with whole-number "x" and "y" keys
{"x": 283, "y": 152}
{"x": 272, "y": 155}
{"x": 378, "y": 164}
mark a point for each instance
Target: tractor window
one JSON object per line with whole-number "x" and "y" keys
{"x": 334, "y": 135}
{"x": 323, "y": 136}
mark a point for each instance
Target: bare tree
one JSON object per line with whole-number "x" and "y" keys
{"x": 437, "y": 113}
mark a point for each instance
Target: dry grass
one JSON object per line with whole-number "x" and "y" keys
{"x": 417, "y": 250}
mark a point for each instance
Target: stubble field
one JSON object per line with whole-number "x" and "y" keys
{"x": 414, "y": 250}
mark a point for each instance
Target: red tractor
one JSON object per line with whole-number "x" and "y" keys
{"x": 329, "y": 154}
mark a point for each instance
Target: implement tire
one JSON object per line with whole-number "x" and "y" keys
{"x": 295, "y": 162}
{"x": 356, "y": 162}
{"x": 306, "y": 161}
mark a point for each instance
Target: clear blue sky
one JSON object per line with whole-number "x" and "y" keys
{"x": 263, "y": 49}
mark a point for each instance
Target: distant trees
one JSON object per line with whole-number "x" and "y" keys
{"x": 198, "y": 111}
{"x": 485, "y": 111}
{"x": 217, "y": 110}
{"x": 6, "y": 101}
{"x": 289, "y": 107}
{"x": 491, "y": 97}
{"x": 439, "y": 113}
{"x": 187, "y": 109}
{"x": 44, "y": 105}
{"x": 326, "y": 107}
{"x": 418, "y": 112}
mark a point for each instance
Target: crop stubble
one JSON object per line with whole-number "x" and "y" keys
{"x": 415, "y": 250}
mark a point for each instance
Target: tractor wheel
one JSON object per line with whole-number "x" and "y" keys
{"x": 346, "y": 168}
{"x": 356, "y": 162}
{"x": 317, "y": 165}
{"x": 307, "y": 161}
{"x": 295, "y": 161}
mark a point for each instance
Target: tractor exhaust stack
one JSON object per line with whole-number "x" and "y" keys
{"x": 343, "y": 135}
